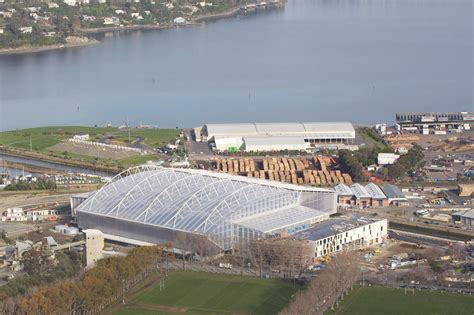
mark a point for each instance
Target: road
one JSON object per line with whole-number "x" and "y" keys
{"x": 419, "y": 238}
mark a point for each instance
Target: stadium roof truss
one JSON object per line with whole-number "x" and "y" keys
{"x": 204, "y": 202}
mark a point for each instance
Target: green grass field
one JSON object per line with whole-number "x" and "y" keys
{"x": 376, "y": 300}
{"x": 206, "y": 293}
{"x": 45, "y": 137}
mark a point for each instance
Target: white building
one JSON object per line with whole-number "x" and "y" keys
{"x": 387, "y": 158}
{"x": 70, "y": 2}
{"x": 94, "y": 247}
{"x": 179, "y": 20}
{"x": 279, "y": 143}
{"x": 346, "y": 232}
{"x": 280, "y": 136}
{"x": 81, "y": 137}
{"x": 26, "y": 30}
{"x": 223, "y": 144}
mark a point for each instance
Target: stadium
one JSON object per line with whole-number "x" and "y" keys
{"x": 190, "y": 208}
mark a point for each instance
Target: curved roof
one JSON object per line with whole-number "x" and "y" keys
{"x": 198, "y": 200}
{"x": 343, "y": 190}
{"x": 375, "y": 191}
{"x": 359, "y": 191}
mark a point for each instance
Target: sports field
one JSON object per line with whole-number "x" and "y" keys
{"x": 376, "y": 300}
{"x": 206, "y": 293}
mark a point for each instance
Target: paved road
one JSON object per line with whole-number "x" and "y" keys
{"x": 419, "y": 238}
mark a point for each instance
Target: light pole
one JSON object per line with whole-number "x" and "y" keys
{"x": 123, "y": 291}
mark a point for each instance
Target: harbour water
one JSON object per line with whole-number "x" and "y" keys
{"x": 44, "y": 165}
{"x": 315, "y": 60}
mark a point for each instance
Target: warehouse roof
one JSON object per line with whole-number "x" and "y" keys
{"x": 468, "y": 214}
{"x": 375, "y": 191}
{"x": 343, "y": 190}
{"x": 198, "y": 201}
{"x": 334, "y": 226}
{"x": 307, "y": 129}
{"x": 359, "y": 191}
{"x": 393, "y": 192}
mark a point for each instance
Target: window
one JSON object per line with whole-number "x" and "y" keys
{"x": 381, "y": 228}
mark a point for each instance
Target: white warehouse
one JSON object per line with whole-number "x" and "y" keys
{"x": 275, "y": 136}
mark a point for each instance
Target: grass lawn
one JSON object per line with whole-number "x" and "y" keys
{"x": 387, "y": 301}
{"x": 206, "y": 293}
{"x": 372, "y": 138}
{"x": 44, "y": 137}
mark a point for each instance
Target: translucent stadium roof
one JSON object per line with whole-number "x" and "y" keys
{"x": 277, "y": 220}
{"x": 202, "y": 202}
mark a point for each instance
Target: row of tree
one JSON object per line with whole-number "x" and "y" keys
{"x": 329, "y": 287}
{"x": 92, "y": 292}
{"x": 288, "y": 257}
{"x": 350, "y": 164}
{"x": 40, "y": 184}
{"x": 406, "y": 163}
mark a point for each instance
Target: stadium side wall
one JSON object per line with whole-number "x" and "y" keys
{"x": 148, "y": 233}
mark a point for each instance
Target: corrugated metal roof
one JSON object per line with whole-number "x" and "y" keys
{"x": 343, "y": 190}
{"x": 330, "y": 127}
{"x": 393, "y": 192}
{"x": 308, "y": 129}
{"x": 359, "y": 191}
{"x": 468, "y": 214}
{"x": 280, "y": 128}
{"x": 375, "y": 191}
{"x": 230, "y": 129}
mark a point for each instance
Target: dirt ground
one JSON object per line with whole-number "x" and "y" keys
{"x": 35, "y": 199}
{"x": 90, "y": 150}
{"x": 396, "y": 248}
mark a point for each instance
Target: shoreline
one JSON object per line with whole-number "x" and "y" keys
{"x": 37, "y": 49}
{"x": 54, "y": 160}
{"x": 199, "y": 20}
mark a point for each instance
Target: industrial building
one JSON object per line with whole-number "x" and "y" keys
{"x": 191, "y": 208}
{"x": 436, "y": 122}
{"x": 345, "y": 232}
{"x": 254, "y": 137}
{"x": 370, "y": 195}
{"x": 394, "y": 195}
{"x": 464, "y": 217}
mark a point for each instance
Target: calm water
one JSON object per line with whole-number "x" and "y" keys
{"x": 315, "y": 60}
{"x": 44, "y": 164}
